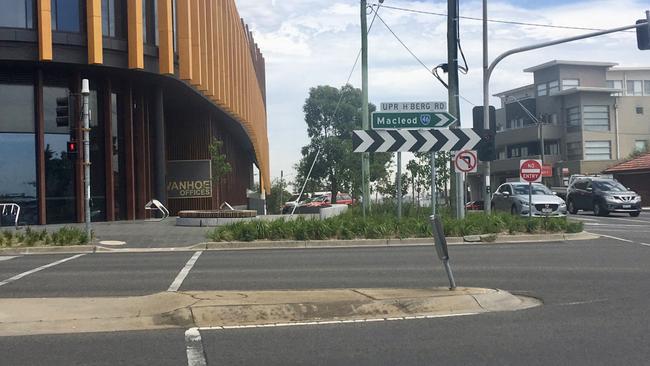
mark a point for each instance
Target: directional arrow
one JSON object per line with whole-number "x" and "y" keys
{"x": 415, "y": 140}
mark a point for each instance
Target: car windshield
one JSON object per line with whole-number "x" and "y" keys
{"x": 609, "y": 185}
{"x": 521, "y": 189}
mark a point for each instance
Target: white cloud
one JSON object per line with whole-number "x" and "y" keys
{"x": 308, "y": 43}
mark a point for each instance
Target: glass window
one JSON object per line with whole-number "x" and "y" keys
{"x": 609, "y": 186}
{"x": 524, "y": 151}
{"x": 149, "y": 21}
{"x": 97, "y": 158}
{"x": 119, "y": 177}
{"x": 66, "y": 15}
{"x": 60, "y": 197}
{"x": 639, "y": 110}
{"x": 574, "y": 150}
{"x": 521, "y": 189}
{"x": 17, "y": 13}
{"x": 615, "y": 84}
{"x": 18, "y": 150}
{"x": 175, "y": 26}
{"x": 542, "y": 89}
{"x": 596, "y": 118}
{"x": 570, "y": 83}
{"x": 634, "y": 87}
{"x": 640, "y": 145}
{"x": 552, "y": 148}
{"x": 114, "y": 18}
{"x": 573, "y": 116}
{"x": 598, "y": 150}
{"x": 553, "y": 87}
{"x": 646, "y": 87}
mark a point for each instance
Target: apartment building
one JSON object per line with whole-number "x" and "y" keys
{"x": 579, "y": 117}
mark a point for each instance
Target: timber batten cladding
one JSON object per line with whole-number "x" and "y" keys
{"x": 234, "y": 63}
{"x": 166, "y": 76}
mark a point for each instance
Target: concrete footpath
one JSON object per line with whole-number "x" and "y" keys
{"x": 30, "y": 316}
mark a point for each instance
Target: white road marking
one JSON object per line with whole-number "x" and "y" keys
{"x": 178, "y": 281}
{"x": 21, "y": 275}
{"x": 615, "y": 238}
{"x": 6, "y": 258}
{"x": 194, "y": 348}
{"x": 331, "y": 322}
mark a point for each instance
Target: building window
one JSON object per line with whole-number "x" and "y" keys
{"x": 59, "y": 170}
{"x": 640, "y": 145}
{"x": 574, "y": 151}
{"x": 502, "y": 155}
{"x": 596, "y": 118}
{"x": 573, "y": 116}
{"x": 639, "y": 110}
{"x": 598, "y": 150}
{"x": 175, "y": 26}
{"x": 553, "y": 119}
{"x": 66, "y": 15}
{"x": 553, "y": 87}
{"x": 552, "y": 148}
{"x": 17, "y": 13}
{"x": 149, "y": 21}
{"x": 524, "y": 151}
{"x": 542, "y": 90}
{"x": 17, "y": 150}
{"x": 114, "y": 18}
{"x": 615, "y": 84}
{"x": 98, "y": 157}
{"x": 515, "y": 152}
{"x": 570, "y": 83}
{"x": 646, "y": 87}
{"x": 634, "y": 87}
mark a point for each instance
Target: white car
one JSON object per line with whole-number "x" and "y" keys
{"x": 513, "y": 197}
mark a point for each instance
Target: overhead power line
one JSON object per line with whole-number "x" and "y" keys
{"x": 493, "y": 20}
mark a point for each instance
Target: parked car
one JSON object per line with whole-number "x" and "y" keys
{"x": 602, "y": 196}
{"x": 513, "y": 197}
{"x": 325, "y": 199}
{"x": 475, "y": 205}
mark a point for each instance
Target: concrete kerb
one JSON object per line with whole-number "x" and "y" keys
{"x": 234, "y": 308}
{"x": 309, "y": 244}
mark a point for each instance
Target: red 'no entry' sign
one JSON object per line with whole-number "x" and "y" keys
{"x": 530, "y": 170}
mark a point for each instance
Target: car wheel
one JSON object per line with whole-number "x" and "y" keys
{"x": 572, "y": 208}
{"x": 599, "y": 210}
{"x": 635, "y": 214}
{"x": 513, "y": 210}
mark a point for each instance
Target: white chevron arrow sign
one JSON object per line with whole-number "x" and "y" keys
{"x": 415, "y": 140}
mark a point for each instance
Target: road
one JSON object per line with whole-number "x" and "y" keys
{"x": 595, "y": 312}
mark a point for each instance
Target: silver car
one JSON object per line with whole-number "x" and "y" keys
{"x": 513, "y": 197}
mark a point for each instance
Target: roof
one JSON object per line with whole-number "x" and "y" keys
{"x": 515, "y": 90}
{"x": 641, "y": 162}
{"x": 565, "y": 62}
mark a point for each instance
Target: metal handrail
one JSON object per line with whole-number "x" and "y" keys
{"x": 15, "y": 210}
{"x": 154, "y": 204}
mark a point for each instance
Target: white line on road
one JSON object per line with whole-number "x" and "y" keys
{"x": 615, "y": 238}
{"x": 19, "y": 276}
{"x": 331, "y": 322}
{"x": 6, "y": 258}
{"x": 194, "y": 348}
{"x": 178, "y": 281}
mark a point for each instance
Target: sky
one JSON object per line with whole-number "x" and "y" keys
{"x": 307, "y": 43}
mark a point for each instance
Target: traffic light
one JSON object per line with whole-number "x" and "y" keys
{"x": 72, "y": 150}
{"x": 486, "y": 149}
{"x": 63, "y": 112}
{"x": 643, "y": 35}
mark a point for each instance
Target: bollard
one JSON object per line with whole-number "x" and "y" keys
{"x": 441, "y": 248}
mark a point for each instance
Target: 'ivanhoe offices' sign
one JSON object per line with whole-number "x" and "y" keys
{"x": 189, "y": 179}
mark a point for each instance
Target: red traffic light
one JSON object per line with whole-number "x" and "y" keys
{"x": 72, "y": 147}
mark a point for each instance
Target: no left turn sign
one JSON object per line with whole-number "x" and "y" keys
{"x": 466, "y": 161}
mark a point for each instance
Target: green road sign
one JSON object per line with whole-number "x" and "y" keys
{"x": 414, "y": 120}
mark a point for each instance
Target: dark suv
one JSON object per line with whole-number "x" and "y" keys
{"x": 602, "y": 196}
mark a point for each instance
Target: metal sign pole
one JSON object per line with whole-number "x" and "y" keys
{"x": 434, "y": 192}
{"x": 85, "y": 92}
{"x": 399, "y": 186}
{"x": 530, "y": 199}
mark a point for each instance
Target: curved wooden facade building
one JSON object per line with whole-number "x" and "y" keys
{"x": 166, "y": 76}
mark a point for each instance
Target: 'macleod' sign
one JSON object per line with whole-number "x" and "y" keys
{"x": 189, "y": 179}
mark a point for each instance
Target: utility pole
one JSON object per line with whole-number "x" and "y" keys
{"x": 281, "y": 186}
{"x": 399, "y": 186}
{"x": 457, "y": 191}
{"x": 365, "y": 125}
{"x": 85, "y": 116}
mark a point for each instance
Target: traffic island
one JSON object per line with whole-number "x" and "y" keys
{"x": 244, "y": 308}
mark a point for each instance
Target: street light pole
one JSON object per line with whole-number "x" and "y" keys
{"x": 487, "y": 205}
{"x": 85, "y": 116}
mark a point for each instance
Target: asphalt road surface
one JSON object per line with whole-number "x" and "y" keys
{"x": 595, "y": 293}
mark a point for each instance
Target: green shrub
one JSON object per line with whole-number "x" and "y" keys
{"x": 574, "y": 227}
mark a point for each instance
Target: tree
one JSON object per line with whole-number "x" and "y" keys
{"x": 387, "y": 185}
{"x": 220, "y": 165}
{"x": 420, "y": 169}
{"x": 278, "y": 190}
{"x": 331, "y": 115}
